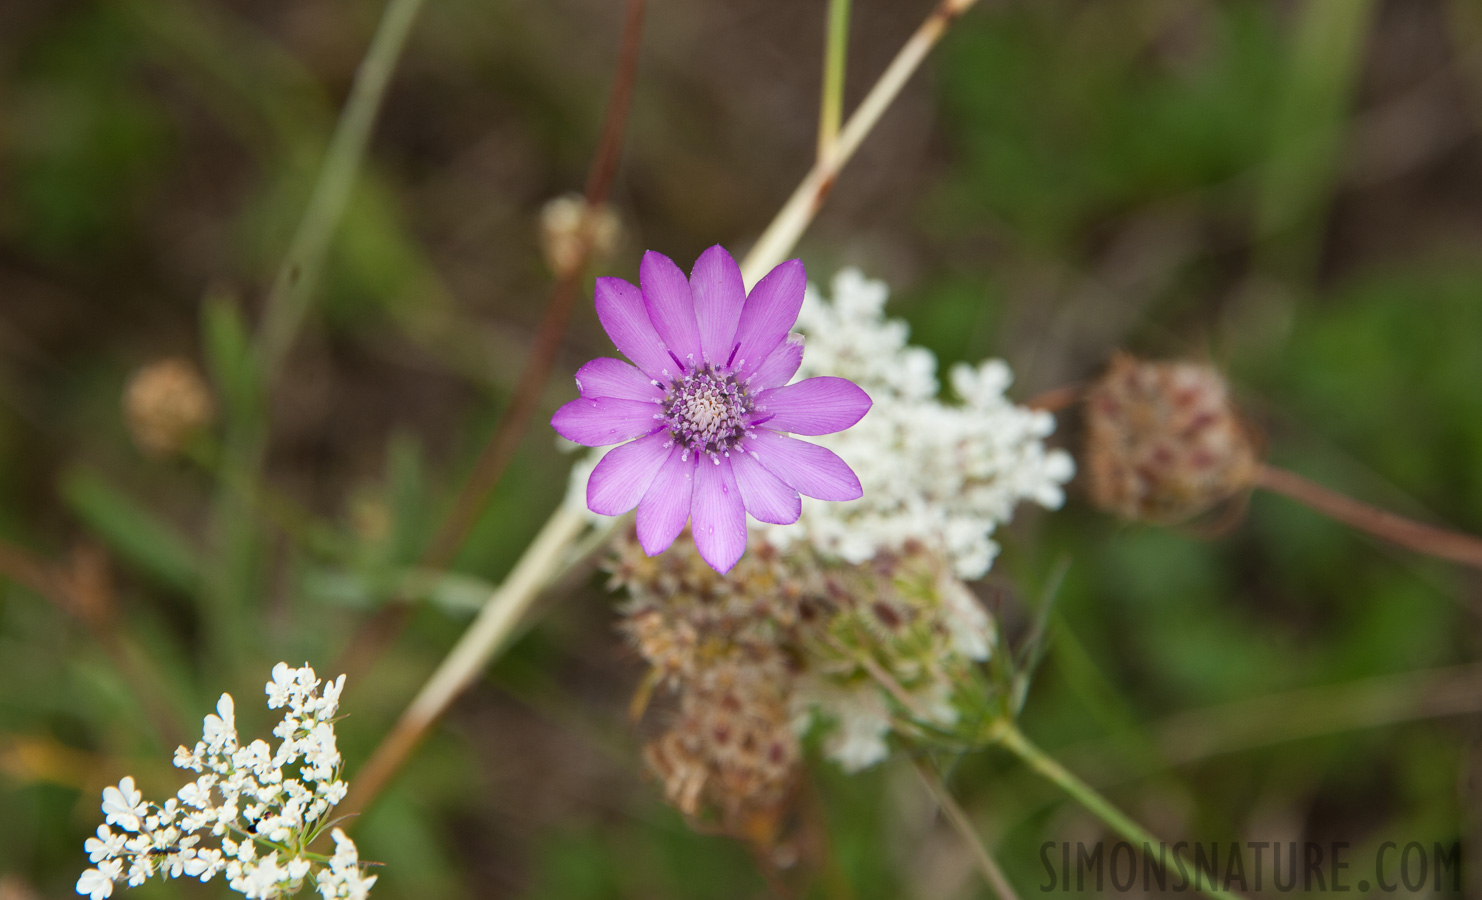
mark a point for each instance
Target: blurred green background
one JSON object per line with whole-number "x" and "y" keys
{"x": 1292, "y": 190}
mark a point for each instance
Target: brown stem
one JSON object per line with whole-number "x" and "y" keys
{"x": 1056, "y": 399}
{"x": 958, "y": 819}
{"x": 1417, "y": 536}
{"x": 511, "y": 429}
{"x": 373, "y": 637}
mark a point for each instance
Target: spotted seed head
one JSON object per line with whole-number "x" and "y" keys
{"x": 1163, "y": 441}
{"x": 732, "y": 748}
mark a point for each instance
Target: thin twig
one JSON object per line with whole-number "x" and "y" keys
{"x": 372, "y": 638}
{"x": 959, "y": 820}
{"x": 500, "y": 449}
{"x": 1056, "y": 399}
{"x": 782, "y": 235}
{"x": 1407, "y": 533}
{"x": 292, "y": 289}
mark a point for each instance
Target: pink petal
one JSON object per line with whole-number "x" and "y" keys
{"x": 605, "y": 420}
{"x": 779, "y": 366}
{"x": 821, "y": 405}
{"x": 719, "y": 293}
{"x": 718, "y": 515}
{"x": 665, "y": 507}
{"x": 806, "y": 468}
{"x": 604, "y": 377}
{"x": 621, "y": 311}
{"x": 671, "y": 309}
{"x": 771, "y": 309}
{"x": 624, "y": 474}
{"x": 765, "y": 496}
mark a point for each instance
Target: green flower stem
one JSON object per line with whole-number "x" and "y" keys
{"x": 1013, "y": 740}
{"x": 294, "y": 285}
{"x": 831, "y": 110}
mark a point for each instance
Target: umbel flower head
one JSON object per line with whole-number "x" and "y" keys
{"x": 707, "y": 409}
{"x": 262, "y": 807}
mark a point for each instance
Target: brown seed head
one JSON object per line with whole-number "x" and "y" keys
{"x": 732, "y": 748}
{"x": 166, "y": 403}
{"x": 1163, "y": 442}
{"x": 573, "y": 234}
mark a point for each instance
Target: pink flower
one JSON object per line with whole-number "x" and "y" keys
{"x": 708, "y": 406}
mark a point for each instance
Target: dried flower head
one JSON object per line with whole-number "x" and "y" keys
{"x": 562, "y": 240}
{"x": 681, "y": 614}
{"x": 732, "y": 747}
{"x": 166, "y": 403}
{"x": 707, "y": 410}
{"x": 1163, "y": 442}
{"x": 264, "y": 806}
{"x": 858, "y": 650}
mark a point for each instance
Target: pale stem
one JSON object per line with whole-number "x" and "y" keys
{"x": 782, "y": 235}
{"x": 478, "y": 645}
{"x": 957, "y": 817}
{"x": 549, "y": 552}
{"x": 836, "y": 51}
{"x": 1045, "y": 765}
{"x": 294, "y": 284}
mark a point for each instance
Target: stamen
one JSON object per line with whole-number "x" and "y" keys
{"x": 707, "y": 411}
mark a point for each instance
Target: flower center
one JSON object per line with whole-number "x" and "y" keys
{"x": 707, "y": 411}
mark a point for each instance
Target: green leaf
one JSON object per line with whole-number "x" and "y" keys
{"x": 132, "y": 531}
{"x": 229, "y": 355}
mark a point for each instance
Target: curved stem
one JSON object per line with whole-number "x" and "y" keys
{"x": 957, "y": 817}
{"x": 1407, "y": 533}
{"x": 1013, "y": 740}
{"x": 294, "y": 285}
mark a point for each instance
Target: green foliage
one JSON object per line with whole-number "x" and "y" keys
{"x": 131, "y": 530}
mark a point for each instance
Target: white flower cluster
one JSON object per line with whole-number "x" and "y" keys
{"x": 944, "y": 475}
{"x": 265, "y": 807}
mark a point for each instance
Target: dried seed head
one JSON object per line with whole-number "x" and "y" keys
{"x": 563, "y": 222}
{"x": 1163, "y": 442}
{"x": 859, "y": 647}
{"x": 166, "y": 403}
{"x": 681, "y": 614}
{"x": 732, "y": 748}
